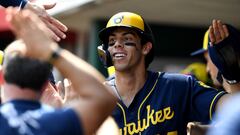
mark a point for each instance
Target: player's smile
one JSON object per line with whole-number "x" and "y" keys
{"x": 119, "y": 55}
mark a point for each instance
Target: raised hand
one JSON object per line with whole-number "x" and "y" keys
{"x": 51, "y": 96}
{"x": 25, "y": 23}
{"x": 57, "y": 28}
{"x": 217, "y": 32}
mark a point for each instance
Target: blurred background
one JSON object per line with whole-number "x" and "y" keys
{"x": 178, "y": 26}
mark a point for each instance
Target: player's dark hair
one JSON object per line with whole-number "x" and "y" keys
{"x": 26, "y": 72}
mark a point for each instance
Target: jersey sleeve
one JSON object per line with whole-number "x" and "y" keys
{"x": 62, "y": 122}
{"x": 203, "y": 100}
{"x": 14, "y": 3}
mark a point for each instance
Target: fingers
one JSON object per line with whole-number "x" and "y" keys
{"x": 25, "y": 24}
{"x": 69, "y": 92}
{"x": 217, "y": 32}
{"x": 47, "y": 94}
{"x": 52, "y": 31}
{"x": 211, "y": 35}
{"x": 49, "y": 6}
{"x": 55, "y": 28}
{"x": 67, "y": 86}
{"x": 59, "y": 86}
{"x": 225, "y": 30}
{"x": 189, "y": 126}
{"x": 13, "y": 18}
{"x": 53, "y": 24}
{"x": 51, "y": 97}
{"x": 58, "y": 24}
{"x": 61, "y": 90}
{"x": 220, "y": 29}
{"x": 195, "y": 128}
{"x": 57, "y": 34}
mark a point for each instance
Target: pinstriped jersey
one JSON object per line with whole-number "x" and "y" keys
{"x": 165, "y": 104}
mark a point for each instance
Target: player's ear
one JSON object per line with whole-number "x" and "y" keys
{"x": 146, "y": 48}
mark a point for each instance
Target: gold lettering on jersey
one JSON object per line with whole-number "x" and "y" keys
{"x": 153, "y": 118}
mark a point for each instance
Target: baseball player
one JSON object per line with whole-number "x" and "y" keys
{"x": 211, "y": 68}
{"x": 224, "y": 52}
{"x": 150, "y": 102}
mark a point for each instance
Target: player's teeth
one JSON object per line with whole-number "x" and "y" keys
{"x": 119, "y": 55}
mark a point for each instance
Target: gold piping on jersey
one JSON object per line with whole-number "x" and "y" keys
{"x": 210, "y": 109}
{"x": 123, "y": 111}
{"x": 153, "y": 117}
{"x": 148, "y": 95}
{"x": 124, "y": 114}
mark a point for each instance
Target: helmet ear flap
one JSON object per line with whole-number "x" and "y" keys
{"x": 104, "y": 55}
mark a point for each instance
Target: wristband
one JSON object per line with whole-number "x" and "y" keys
{"x": 22, "y": 4}
{"x": 55, "y": 55}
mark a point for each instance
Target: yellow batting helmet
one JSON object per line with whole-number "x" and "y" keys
{"x": 198, "y": 70}
{"x": 205, "y": 44}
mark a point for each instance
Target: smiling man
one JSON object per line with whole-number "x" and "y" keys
{"x": 150, "y": 102}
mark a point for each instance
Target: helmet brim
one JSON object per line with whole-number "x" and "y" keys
{"x": 200, "y": 51}
{"x": 104, "y": 33}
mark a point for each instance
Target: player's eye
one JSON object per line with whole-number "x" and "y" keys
{"x": 128, "y": 38}
{"x": 111, "y": 42}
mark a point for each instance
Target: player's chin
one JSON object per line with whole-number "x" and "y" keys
{"x": 120, "y": 66}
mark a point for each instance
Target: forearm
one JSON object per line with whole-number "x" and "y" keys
{"x": 77, "y": 70}
{"x": 97, "y": 102}
{"x": 14, "y": 3}
{"x": 86, "y": 80}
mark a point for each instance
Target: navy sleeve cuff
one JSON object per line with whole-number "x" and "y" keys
{"x": 13, "y": 3}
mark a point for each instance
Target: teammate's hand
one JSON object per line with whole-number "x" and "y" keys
{"x": 26, "y": 23}
{"x": 195, "y": 128}
{"x": 56, "y": 27}
{"x": 217, "y": 32}
{"x": 51, "y": 96}
{"x": 70, "y": 93}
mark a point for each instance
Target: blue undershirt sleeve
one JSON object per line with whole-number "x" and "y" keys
{"x": 14, "y": 3}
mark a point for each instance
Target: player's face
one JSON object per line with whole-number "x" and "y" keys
{"x": 211, "y": 69}
{"x": 125, "y": 49}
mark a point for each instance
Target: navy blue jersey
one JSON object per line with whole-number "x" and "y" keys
{"x": 14, "y": 3}
{"x": 165, "y": 104}
{"x": 20, "y": 117}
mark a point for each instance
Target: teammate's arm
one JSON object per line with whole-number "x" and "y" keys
{"x": 96, "y": 102}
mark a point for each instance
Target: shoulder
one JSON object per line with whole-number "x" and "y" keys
{"x": 68, "y": 121}
{"x": 227, "y": 120}
{"x": 231, "y": 106}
